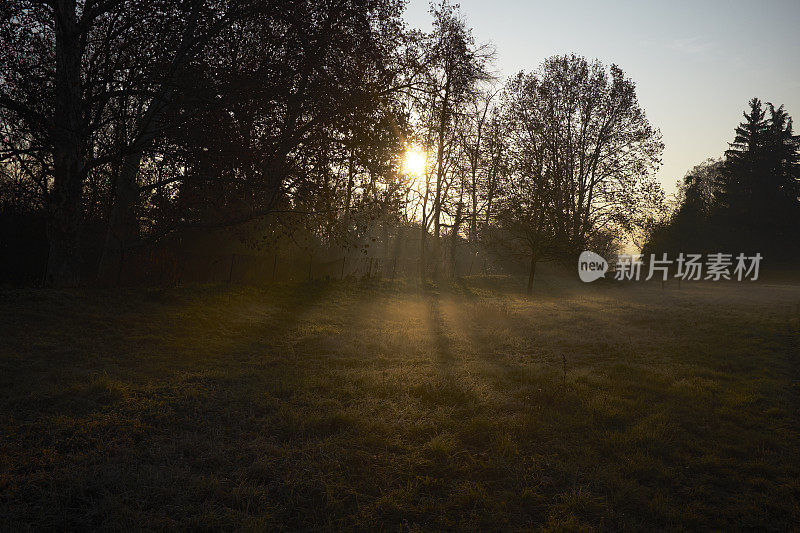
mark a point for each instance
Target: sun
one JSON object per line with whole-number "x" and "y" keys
{"x": 415, "y": 161}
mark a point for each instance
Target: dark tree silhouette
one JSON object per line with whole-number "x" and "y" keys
{"x": 583, "y": 152}
{"x": 748, "y": 202}
{"x": 83, "y": 88}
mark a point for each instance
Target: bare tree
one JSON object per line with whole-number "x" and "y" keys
{"x": 584, "y": 155}
{"x": 456, "y": 64}
{"x": 480, "y": 160}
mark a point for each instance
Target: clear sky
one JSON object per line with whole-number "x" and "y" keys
{"x": 695, "y": 63}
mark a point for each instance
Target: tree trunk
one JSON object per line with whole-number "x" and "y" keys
{"x": 473, "y": 223}
{"x": 63, "y": 260}
{"x": 476, "y": 156}
{"x": 65, "y": 200}
{"x": 437, "y": 203}
{"x": 531, "y": 274}
{"x": 454, "y": 239}
{"x": 350, "y": 177}
{"x": 122, "y": 224}
{"x": 423, "y": 233}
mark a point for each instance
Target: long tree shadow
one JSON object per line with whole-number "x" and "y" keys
{"x": 479, "y": 320}
{"x": 448, "y": 387}
{"x": 441, "y": 340}
{"x": 199, "y": 378}
{"x": 208, "y": 337}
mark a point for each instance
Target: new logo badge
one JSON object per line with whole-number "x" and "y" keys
{"x": 591, "y": 266}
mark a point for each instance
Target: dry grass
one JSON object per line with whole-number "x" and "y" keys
{"x": 396, "y": 407}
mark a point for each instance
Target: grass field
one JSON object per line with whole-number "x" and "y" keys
{"x": 391, "y": 406}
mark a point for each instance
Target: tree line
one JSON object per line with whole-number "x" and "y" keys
{"x": 747, "y": 201}
{"x": 123, "y": 122}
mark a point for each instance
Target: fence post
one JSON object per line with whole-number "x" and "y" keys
{"x": 274, "y": 266}
{"x": 344, "y": 258}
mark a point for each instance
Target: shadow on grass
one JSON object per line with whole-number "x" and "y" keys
{"x": 365, "y": 406}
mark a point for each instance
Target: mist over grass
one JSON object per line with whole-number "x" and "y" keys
{"x": 396, "y": 406}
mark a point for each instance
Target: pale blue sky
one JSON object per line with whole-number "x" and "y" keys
{"x": 696, "y": 64}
